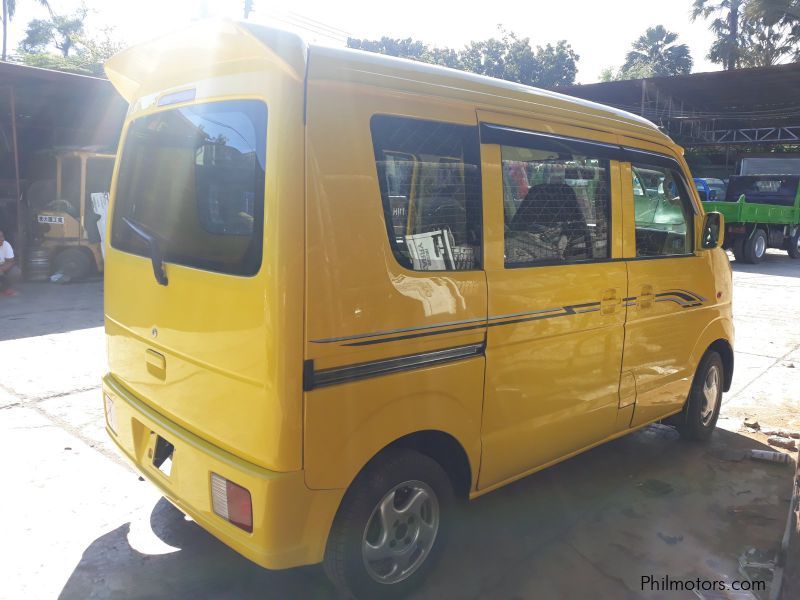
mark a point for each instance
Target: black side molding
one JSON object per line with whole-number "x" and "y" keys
{"x": 313, "y": 379}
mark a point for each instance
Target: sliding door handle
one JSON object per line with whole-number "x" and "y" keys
{"x": 609, "y": 302}
{"x": 647, "y": 297}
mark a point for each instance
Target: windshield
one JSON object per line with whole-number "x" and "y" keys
{"x": 194, "y": 176}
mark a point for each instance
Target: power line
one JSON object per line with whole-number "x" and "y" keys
{"x": 310, "y": 26}
{"x": 319, "y": 24}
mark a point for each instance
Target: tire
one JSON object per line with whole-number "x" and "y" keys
{"x": 793, "y": 244}
{"x": 755, "y": 247}
{"x": 74, "y": 263}
{"x": 391, "y": 479}
{"x": 738, "y": 248}
{"x": 701, "y": 411}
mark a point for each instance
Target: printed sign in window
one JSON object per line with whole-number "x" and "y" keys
{"x": 432, "y": 251}
{"x": 50, "y": 219}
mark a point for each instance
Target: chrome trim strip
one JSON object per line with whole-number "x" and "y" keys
{"x": 687, "y": 299}
{"x": 360, "y": 336}
{"x": 338, "y": 375}
{"x": 526, "y": 314}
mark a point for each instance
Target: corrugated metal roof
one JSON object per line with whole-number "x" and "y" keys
{"x": 758, "y": 97}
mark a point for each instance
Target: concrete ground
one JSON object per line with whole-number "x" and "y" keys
{"x": 76, "y": 522}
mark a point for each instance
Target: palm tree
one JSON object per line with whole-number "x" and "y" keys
{"x": 657, "y": 53}
{"x": 767, "y": 45}
{"x": 773, "y": 11}
{"x": 727, "y": 48}
{"x": 778, "y": 14}
{"x": 9, "y": 8}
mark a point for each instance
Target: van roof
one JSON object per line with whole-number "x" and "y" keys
{"x": 129, "y": 70}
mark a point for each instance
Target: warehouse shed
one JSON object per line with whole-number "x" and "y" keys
{"x": 40, "y": 111}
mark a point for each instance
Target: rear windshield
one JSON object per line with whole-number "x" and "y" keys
{"x": 194, "y": 176}
{"x": 764, "y": 189}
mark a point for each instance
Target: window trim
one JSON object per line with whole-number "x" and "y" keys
{"x": 523, "y": 138}
{"x": 469, "y": 152}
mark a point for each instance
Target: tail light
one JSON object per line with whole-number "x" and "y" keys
{"x": 232, "y": 502}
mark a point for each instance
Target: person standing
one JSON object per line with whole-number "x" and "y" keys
{"x": 9, "y": 271}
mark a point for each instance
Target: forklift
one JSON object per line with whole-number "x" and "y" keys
{"x": 67, "y": 202}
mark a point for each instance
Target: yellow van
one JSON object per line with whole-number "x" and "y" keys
{"x": 345, "y": 292}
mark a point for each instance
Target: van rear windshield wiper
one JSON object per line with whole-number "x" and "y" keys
{"x": 156, "y": 257}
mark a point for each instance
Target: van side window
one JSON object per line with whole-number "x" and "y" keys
{"x": 663, "y": 212}
{"x": 557, "y": 207}
{"x": 429, "y": 176}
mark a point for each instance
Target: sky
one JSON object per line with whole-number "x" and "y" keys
{"x": 600, "y": 32}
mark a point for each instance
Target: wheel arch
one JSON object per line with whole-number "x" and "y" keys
{"x": 346, "y": 426}
{"x": 717, "y": 336}
{"x": 442, "y": 447}
{"x": 445, "y": 450}
{"x": 724, "y": 349}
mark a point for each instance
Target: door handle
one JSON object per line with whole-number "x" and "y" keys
{"x": 647, "y": 297}
{"x": 609, "y": 302}
{"x": 156, "y": 363}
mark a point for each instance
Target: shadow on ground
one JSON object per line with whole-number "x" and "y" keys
{"x": 775, "y": 262}
{"x": 47, "y": 308}
{"x": 648, "y": 503}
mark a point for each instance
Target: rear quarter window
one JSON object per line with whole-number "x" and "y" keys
{"x": 429, "y": 178}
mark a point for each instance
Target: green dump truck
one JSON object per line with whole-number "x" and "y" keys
{"x": 761, "y": 211}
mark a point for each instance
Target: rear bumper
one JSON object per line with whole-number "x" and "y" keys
{"x": 290, "y": 521}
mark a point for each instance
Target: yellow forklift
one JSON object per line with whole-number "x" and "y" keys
{"x": 66, "y": 203}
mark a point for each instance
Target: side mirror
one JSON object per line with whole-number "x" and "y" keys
{"x": 713, "y": 230}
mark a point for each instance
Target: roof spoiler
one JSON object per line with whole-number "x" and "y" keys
{"x": 203, "y": 50}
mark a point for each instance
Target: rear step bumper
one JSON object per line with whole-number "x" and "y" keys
{"x": 290, "y": 521}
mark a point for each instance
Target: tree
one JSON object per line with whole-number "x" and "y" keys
{"x": 403, "y": 48}
{"x": 58, "y": 31}
{"x": 774, "y": 11}
{"x": 508, "y": 57}
{"x": 767, "y": 45}
{"x": 9, "y": 9}
{"x": 784, "y": 14}
{"x": 657, "y": 53}
{"x": 607, "y": 74}
{"x": 727, "y": 47}
{"x": 556, "y": 65}
{"x": 445, "y": 57}
{"x": 88, "y": 58}
{"x": 752, "y": 32}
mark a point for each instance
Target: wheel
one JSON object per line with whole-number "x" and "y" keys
{"x": 73, "y": 262}
{"x": 755, "y": 247}
{"x": 699, "y": 417}
{"x": 793, "y": 244}
{"x": 391, "y": 526}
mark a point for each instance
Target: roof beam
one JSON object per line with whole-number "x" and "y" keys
{"x": 750, "y": 135}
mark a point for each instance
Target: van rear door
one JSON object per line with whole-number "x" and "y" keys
{"x": 204, "y": 265}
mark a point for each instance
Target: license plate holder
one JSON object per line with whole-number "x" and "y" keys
{"x": 163, "y": 456}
